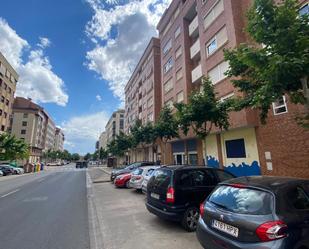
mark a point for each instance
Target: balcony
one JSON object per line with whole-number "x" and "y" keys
{"x": 196, "y": 73}
{"x": 193, "y": 27}
{"x": 195, "y": 49}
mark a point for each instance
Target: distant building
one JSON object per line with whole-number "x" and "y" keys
{"x": 103, "y": 140}
{"x": 115, "y": 125}
{"x": 32, "y": 123}
{"x": 8, "y": 81}
{"x": 59, "y": 139}
{"x": 97, "y": 145}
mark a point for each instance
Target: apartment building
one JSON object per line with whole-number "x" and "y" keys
{"x": 143, "y": 95}
{"x": 103, "y": 140}
{"x": 59, "y": 139}
{"x": 115, "y": 125}
{"x": 8, "y": 81}
{"x": 193, "y": 35}
{"x": 32, "y": 123}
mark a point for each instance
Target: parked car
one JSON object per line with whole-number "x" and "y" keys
{"x": 1, "y": 173}
{"x": 256, "y": 212}
{"x": 175, "y": 192}
{"x": 81, "y": 164}
{"x": 146, "y": 179}
{"x": 128, "y": 169}
{"x": 6, "y": 170}
{"x": 16, "y": 170}
{"x": 138, "y": 176}
{"x": 122, "y": 181}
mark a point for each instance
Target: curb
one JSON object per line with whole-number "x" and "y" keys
{"x": 105, "y": 171}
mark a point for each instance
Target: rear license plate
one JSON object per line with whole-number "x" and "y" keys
{"x": 225, "y": 228}
{"x": 155, "y": 196}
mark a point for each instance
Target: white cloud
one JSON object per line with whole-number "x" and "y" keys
{"x": 37, "y": 80}
{"x": 120, "y": 35}
{"x": 98, "y": 97}
{"x": 81, "y": 132}
{"x": 44, "y": 42}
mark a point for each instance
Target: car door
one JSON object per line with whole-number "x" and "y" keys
{"x": 203, "y": 182}
{"x": 184, "y": 188}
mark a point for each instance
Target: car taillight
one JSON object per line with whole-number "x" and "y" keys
{"x": 170, "y": 198}
{"x": 272, "y": 230}
{"x": 202, "y": 209}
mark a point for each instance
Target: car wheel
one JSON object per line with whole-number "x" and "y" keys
{"x": 127, "y": 184}
{"x": 190, "y": 219}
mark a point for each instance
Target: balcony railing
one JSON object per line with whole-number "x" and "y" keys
{"x": 193, "y": 27}
{"x": 196, "y": 73}
{"x": 195, "y": 49}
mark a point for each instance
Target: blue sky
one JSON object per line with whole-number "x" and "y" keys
{"x": 75, "y": 56}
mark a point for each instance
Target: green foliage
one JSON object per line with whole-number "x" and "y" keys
{"x": 87, "y": 157}
{"x": 166, "y": 127}
{"x": 266, "y": 73}
{"x": 12, "y": 148}
{"x": 119, "y": 145}
{"x": 102, "y": 154}
{"x": 203, "y": 111}
{"x": 75, "y": 157}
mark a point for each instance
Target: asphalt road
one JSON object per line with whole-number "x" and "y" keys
{"x": 46, "y": 210}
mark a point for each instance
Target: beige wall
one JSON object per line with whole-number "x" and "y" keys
{"x": 8, "y": 81}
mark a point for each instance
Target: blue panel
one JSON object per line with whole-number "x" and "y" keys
{"x": 244, "y": 169}
{"x": 235, "y": 148}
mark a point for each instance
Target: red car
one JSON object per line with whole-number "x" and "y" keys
{"x": 123, "y": 180}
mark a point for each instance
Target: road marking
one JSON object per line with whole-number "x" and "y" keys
{"x": 41, "y": 180}
{"x": 14, "y": 191}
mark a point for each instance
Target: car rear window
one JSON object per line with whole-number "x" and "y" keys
{"x": 162, "y": 178}
{"x": 242, "y": 200}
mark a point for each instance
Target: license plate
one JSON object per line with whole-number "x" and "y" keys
{"x": 225, "y": 228}
{"x": 155, "y": 196}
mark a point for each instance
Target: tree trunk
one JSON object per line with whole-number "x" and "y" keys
{"x": 205, "y": 152}
{"x": 304, "y": 82}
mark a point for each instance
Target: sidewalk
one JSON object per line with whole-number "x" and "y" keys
{"x": 99, "y": 174}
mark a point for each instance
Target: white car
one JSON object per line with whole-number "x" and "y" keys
{"x": 17, "y": 171}
{"x": 139, "y": 175}
{"x": 146, "y": 179}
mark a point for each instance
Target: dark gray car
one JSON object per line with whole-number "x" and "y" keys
{"x": 256, "y": 212}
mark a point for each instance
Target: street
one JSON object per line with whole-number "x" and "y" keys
{"x": 45, "y": 210}
{"x": 126, "y": 223}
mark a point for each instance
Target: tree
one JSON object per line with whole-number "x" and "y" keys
{"x": 119, "y": 145}
{"x": 203, "y": 112}
{"x": 75, "y": 156}
{"x": 87, "y": 156}
{"x": 166, "y": 127}
{"x": 103, "y": 154}
{"x": 12, "y": 148}
{"x": 281, "y": 66}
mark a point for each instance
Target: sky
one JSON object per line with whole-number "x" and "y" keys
{"x": 74, "y": 57}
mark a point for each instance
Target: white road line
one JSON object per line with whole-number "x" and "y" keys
{"x": 14, "y": 191}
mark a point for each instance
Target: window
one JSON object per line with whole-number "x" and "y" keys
{"x": 23, "y": 132}
{"x": 121, "y": 124}
{"x": 150, "y": 117}
{"x": 216, "y": 74}
{"x": 5, "y": 115}
{"x": 223, "y": 176}
{"x": 179, "y": 97}
{"x": 168, "y": 86}
{"x": 176, "y": 13}
{"x": 167, "y": 27}
{"x": 167, "y": 47}
{"x": 280, "y": 106}
{"x": 228, "y": 96}
{"x": 242, "y": 200}
{"x": 235, "y": 148}
{"x": 0, "y": 112}
{"x": 2, "y": 99}
{"x": 2, "y": 127}
{"x": 213, "y": 13}
{"x": 170, "y": 103}
{"x": 184, "y": 180}
{"x": 7, "y": 102}
{"x": 177, "y": 32}
{"x": 25, "y": 115}
{"x": 178, "y": 52}
{"x": 179, "y": 74}
{"x": 304, "y": 10}
{"x": 217, "y": 41}
{"x": 168, "y": 65}
{"x": 202, "y": 178}
{"x": 150, "y": 102}
{"x": 192, "y": 159}
{"x": 299, "y": 198}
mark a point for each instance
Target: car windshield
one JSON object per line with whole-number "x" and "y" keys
{"x": 242, "y": 200}
{"x": 138, "y": 171}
